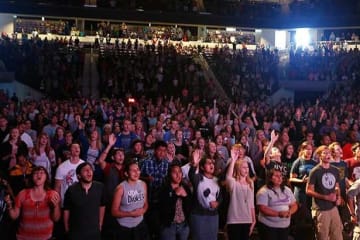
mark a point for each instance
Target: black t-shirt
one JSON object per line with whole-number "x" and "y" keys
{"x": 84, "y": 210}
{"x": 278, "y": 166}
{"x": 324, "y": 181}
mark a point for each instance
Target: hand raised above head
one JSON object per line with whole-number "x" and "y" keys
{"x": 112, "y": 139}
{"x": 234, "y": 154}
{"x": 274, "y": 136}
{"x": 197, "y": 156}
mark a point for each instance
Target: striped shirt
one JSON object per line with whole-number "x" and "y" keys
{"x": 35, "y": 222}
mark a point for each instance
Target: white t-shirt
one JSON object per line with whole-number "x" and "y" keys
{"x": 185, "y": 171}
{"x": 207, "y": 191}
{"x": 25, "y": 137}
{"x": 277, "y": 201}
{"x": 66, "y": 173}
{"x": 44, "y": 160}
{"x": 241, "y": 202}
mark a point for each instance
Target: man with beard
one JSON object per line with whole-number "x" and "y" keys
{"x": 323, "y": 187}
{"x": 84, "y": 206}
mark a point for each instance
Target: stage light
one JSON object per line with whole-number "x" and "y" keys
{"x": 280, "y": 40}
{"x": 230, "y": 29}
{"x": 302, "y": 37}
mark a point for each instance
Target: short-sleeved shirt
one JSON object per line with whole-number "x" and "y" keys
{"x": 324, "y": 181}
{"x": 278, "y": 166}
{"x": 35, "y": 222}
{"x": 84, "y": 210}
{"x": 302, "y": 167}
{"x": 67, "y": 175}
{"x": 343, "y": 173}
{"x": 125, "y": 140}
{"x": 158, "y": 170}
{"x": 277, "y": 200}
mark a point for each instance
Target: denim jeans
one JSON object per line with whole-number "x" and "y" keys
{"x": 204, "y": 227}
{"x": 176, "y": 231}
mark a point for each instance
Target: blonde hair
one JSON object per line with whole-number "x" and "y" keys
{"x": 332, "y": 147}
{"x": 237, "y": 175}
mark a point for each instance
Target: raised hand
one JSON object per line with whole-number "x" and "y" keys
{"x": 197, "y": 156}
{"x": 253, "y": 114}
{"x": 273, "y": 136}
{"x": 112, "y": 139}
{"x": 234, "y": 154}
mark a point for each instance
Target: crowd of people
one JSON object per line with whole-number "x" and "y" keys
{"x": 57, "y": 66}
{"x": 162, "y": 168}
{"x": 50, "y": 66}
{"x": 150, "y": 69}
{"x": 323, "y": 64}
{"x": 134, "y": 165}
{"x": 246, "y": 74}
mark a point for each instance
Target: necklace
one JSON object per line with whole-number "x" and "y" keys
{"x": 244, "y": 192}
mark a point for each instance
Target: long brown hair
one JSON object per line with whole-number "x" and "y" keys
{"x": 37, "y": 144}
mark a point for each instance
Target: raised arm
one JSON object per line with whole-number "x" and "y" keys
{"x": 255, "y": 121}
{"x": 103, "y": 155}
{"x": 196, "y": 157}
{"x": 273, "y": 138}
{"x": 234, "y": 157}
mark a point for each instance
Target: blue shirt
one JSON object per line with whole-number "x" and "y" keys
{"x": 125, "y": 140}
{"x": 157, "y": 169}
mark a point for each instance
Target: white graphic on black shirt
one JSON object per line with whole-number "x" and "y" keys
{"x": 328, "y": 180}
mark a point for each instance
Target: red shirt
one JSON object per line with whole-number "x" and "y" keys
{"x": 35, "y": 221}
{"x": 347, "y": 152}
{"x": 108, "y": 167}
{"x": 354, "y": 168}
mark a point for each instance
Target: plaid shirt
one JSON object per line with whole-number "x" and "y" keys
{"x": 158, "y": 170}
